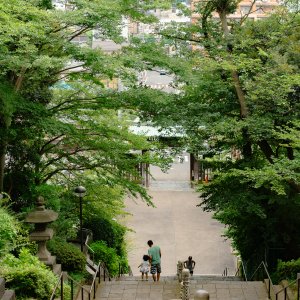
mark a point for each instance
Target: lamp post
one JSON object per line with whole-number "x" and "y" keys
{"x": 80, "y": 192}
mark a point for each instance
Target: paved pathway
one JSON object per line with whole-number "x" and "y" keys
{"x": 177, "y": 225}
{"x": 181, "y": 229}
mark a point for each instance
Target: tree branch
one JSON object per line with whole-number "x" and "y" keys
{"x": 78, "y": 32}
{"x": 248, "y": 13}
{"x": 49, "y": 142}
{"x": 267, "y": 150}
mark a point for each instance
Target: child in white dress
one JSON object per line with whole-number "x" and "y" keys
{"x": 144, "y": 267}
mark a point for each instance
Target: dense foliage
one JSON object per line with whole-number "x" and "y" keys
{"x": 8, "y": 231}
{"x": 68, "y": 255}
{"x": 29, "y": 277}
{"x": 109, "y": 256}
{"x": 109, "y": 231}
{"x": 287, "y": 270}
{"x": 57, "y": 117}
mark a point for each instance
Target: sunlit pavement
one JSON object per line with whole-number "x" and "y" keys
{"x": 177, "y": 225}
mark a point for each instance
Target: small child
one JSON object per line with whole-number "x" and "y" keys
{"x": 144, "y": 267}
{"x": 190, "y": 264}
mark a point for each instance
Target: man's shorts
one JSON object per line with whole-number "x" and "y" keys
{"x": 155, "y": 269}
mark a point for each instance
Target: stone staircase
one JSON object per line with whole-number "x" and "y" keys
{"x": 168, "y": 288}
{"x": 6, "y": 294}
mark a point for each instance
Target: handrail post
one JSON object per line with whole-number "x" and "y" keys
{"x": 298, "y": 286}
{"x": 179, "y": 270}
{"x": 72, "y": 289}
{"x": 269, "y": 289}
{"x": 285, "y": 293}
{"x": 82, "y": 296}
{"x": 62, "y": 287}
{"x": 94, "y": 289}
{"x": 99, "y": 273}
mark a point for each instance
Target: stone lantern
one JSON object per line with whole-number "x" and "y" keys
{"x": 41, "y": 217}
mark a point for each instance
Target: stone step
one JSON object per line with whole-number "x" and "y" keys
{"x": 91, "y": 264}
{"x": 9, "y": 295}
{"x": 196, "y": 277}
{"x": 56, "y": 269}
{"x": 2, "y": 287}
{"x": 167, "y": 289}
{"x": 6, "y": 294}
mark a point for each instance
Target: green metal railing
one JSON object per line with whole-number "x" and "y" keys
{"x": 285, "y": 289}
{"x": 85, "y": 292}
{"x": 270, "y": 286}
{"x": 241, "y": 271}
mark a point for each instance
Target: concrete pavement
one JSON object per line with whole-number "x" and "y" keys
{"x": 177, "y": 225}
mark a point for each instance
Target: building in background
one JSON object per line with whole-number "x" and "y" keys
{"x": 255, "y": 10}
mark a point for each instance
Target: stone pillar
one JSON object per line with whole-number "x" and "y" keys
{"x": 185, "y": 292}
{"x": 41, "y": 217}
{"x": 201, "y": 295}
{"x": 179, "y": 270}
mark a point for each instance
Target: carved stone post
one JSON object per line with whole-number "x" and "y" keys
{"x": 179, "y": 270}
{"x": 185, "y": 292}
{"x": 201, "y": 295}
{"x": 41, "y": 217}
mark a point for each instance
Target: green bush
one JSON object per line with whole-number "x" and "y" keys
{"x": 29, "y": 277}
{"x": 68, "y": 255}
{"x": 12, "y": 234}
{"x": 8, "y": 230}
{"x": 107, "y": 230}
{"x": 107, "y": 255}
{"x": 287, "y": 270}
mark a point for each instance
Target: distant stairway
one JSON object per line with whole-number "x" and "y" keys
{"x": 170, "y": 185}
{"x": 168, "y": 288}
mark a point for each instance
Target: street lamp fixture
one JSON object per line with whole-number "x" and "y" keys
{"x": 80, "y": 192}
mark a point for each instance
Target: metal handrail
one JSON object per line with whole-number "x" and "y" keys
{"x": 121, "y": 271}
{"x": 60, "y": 283}
{"x": 130, "y": 271}
{"x": 243, "y": 270}
{"x": 225, "y": 272}
{"x": 105, "y": 270}
{"x": 286, "y": 287}
{"x": 93, "y": 285}
{"x": 88, "y": 247}
{"x": 270, "y": 283}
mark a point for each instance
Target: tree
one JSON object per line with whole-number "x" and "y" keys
{"x": 57, "y": 119}
{"x": 240, "y": 90}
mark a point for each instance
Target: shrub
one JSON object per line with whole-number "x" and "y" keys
{"x": 12, "y": 234}
{"x": 29, "y": 277}
{"x": 107, "y": 230}
{"x": 68, "y": 255}
{"x": 8, "y": 230}
{"x": 287, "y": 270}
{"x": 107, "y": 255}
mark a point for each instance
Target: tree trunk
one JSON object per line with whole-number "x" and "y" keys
{"x": 3, "y": 147}
{"x": 234, "y": 74}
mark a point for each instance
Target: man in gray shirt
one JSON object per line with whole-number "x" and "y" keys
{"x": 155, "y": 256}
